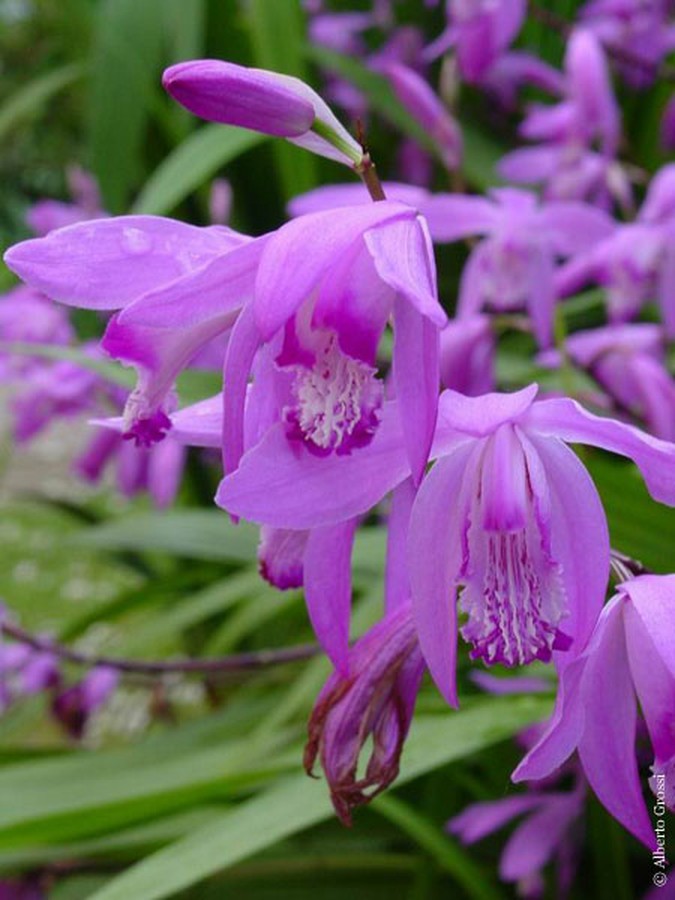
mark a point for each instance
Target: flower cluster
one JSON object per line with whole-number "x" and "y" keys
{"x": 496, "y": 531}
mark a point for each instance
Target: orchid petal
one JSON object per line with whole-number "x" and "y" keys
{"x": 241, "y": 351}
{"x": 108, "y": 263}
{"x": 397, "y": 582}
{"x": 165, "y": 470}
{"x": 282, "y": 485}
{"x": 314, "y": 243}
{"x": 472, "y": 281}
{"x": 434, "y": 561}
{"x": 235, "y": 95}
{"x": 416, "y": 339}
{"x": 221, "y": 285}
{"x": 421, "y": 102}
{"x": 281, "y": 555}
{"x": 530, "y": 164}
{"x": 404, "y": 259}
{"x": 535, "y": 841}
{"x": 652, "y": 601}
{"x": 607, "y": 745}
{"x": 579, "y": 536}
{"x": 328, "y": 588}
{"x": 335, "y": 196}
{"x": 574, "y": 227}
{"x": 666, "y": 287}
{"x": 650, "y": 624}
{"x": 199, "y": 425}
{"x": 563, "y": 730}
{"x": 541, "y": 297}
{"x": 480, "y": 416}
{"x": 481, "y": 819}
{"x": 454, "y": 216}
{"x": 568, "y": 420}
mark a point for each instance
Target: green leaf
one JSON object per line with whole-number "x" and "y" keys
{"x": 277, "y": 33}
{"x": 198, "y": 534}
{"x": 86, "y": 794}
{"x": 295, "y": 803}
{"x": 638, "y": 525}
{"x": 186, "y": 26}
{"x": 29, "y": 100}
{"x": 193, "y": 162}
{"x": 447, "y": 854}
{"x": 125, "y": 88}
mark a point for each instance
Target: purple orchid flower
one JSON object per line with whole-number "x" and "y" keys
{"x": 546, "y": 833}
{"x": 313, "y": 360}
{"x": 480, "y": 31}
{"x": 468, "y": 355}
{"x": 638, "y": 32}
{"x": 28, "y": 317}
{"x": 420, "y": 100}
{"x": 525, "y": 534}
{"x": 52, "y": 391}
{"x": 637, "y": 262}
{"x": 74, "y": 706}
{"x": 513, "y": 267}
{"x": 268, "y": 102}
{"x": 136, "y": 264}
{"x": 629, "y": 656}
{"x": 157, "y": 469}
{"x": 375, "y": 700}
{"x": 580, "y": 135}
{"x": 47, "y": 215}
{"x": 325, "y": 289}
{"x": 628, "y": 361}
{"x": 374, "y": 695}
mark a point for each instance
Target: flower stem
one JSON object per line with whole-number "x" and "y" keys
{"x": 368, "y": 175}
{"x": 237, "y": 662}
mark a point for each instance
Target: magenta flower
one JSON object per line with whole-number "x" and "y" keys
{"x": 637, "y": 31}
{"x": 628, "y": 361}
{"x": 580, "y": 135}
{"x": 480, "y": 31}
{"x": 375, "y": 700}
{"x": 157, "y": 469}
{"x": 263, "y": 101}
{"x": 28, "y": 317}
{"x": 513, "y": 267}
{"x": 545, "y": 834}
{"x": 467, "y": 355}
{"x": 526, "y": 536}
{"x": 53, "y": 390}
{"x": 629, "y": 658}
{"x": 508, "y": 514}
{"x": 325, "y": 289}
{"x": 637, "y": 262}
{"x": 74, "y": 706}
{"x": 150, "y": 268}
{"x": 47, "y": 215}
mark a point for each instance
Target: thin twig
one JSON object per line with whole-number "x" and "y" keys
{"x": 256, "y": 659}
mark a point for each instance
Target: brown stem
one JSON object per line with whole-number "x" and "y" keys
{"x": 237, "y": 662}
{"x": 368, "y": 175}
